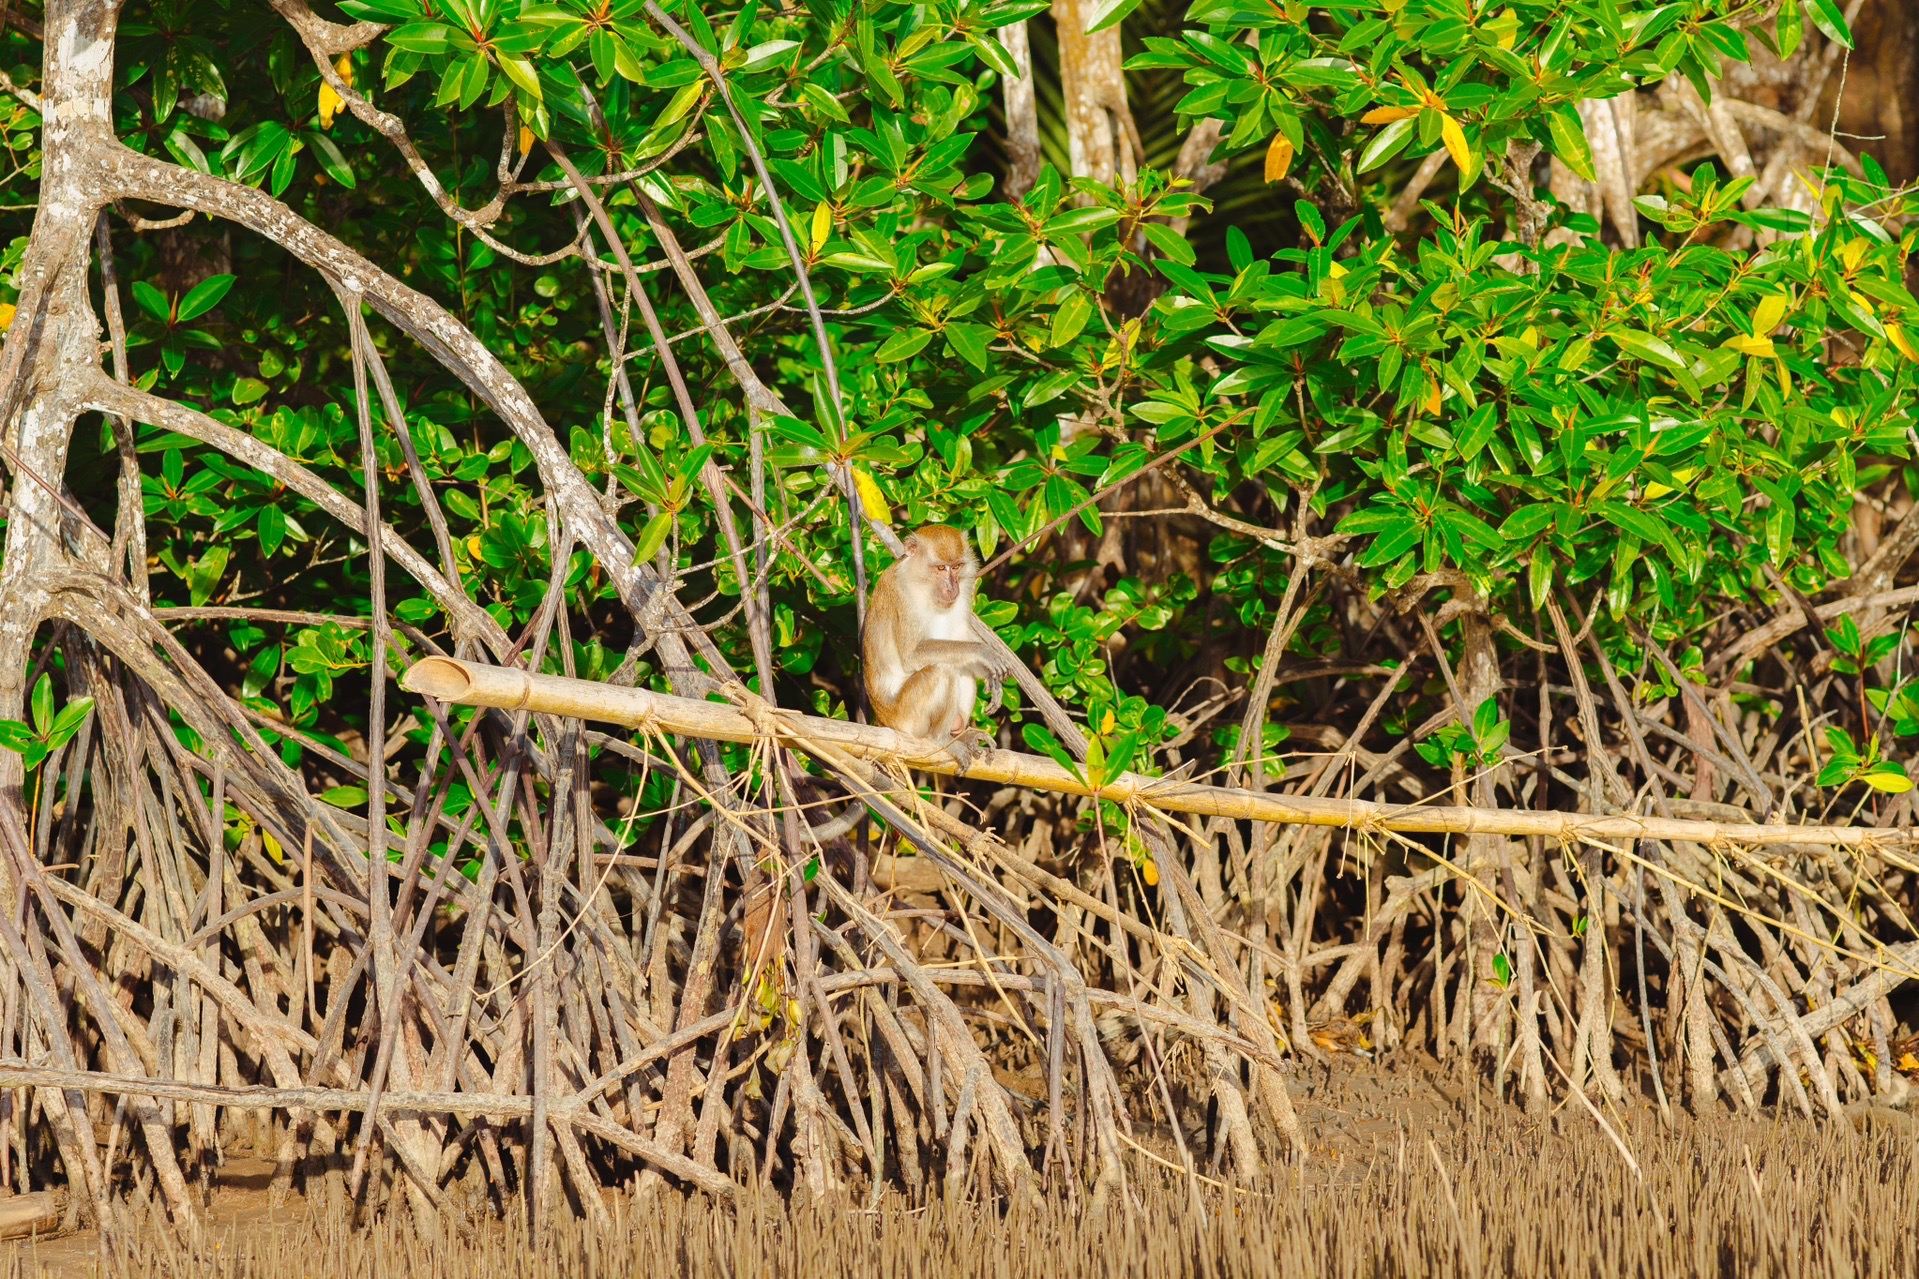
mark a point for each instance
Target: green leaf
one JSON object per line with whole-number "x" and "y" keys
{"x": 68, "y": 721}
{"x": 1569, "y": 141}
{"x": 994, "y": 54}
{"x": 1477, "y": 432}
{"x": 430, "y": 38}
{"x": 1310, "y": 219}
{"x": 331, "y": 160}
{"x": 17, "y": 737}
{"x": 762, "y": 56}
{"x": 1071, "y": 317}
{"x": 344, "y": 796}
{"x": 969, "y": 342}
{"x": 1643, "y": 525}
{"x": 1539, "y": 577}
{"x": 203, "y": 297}
{"x": 1040, "y": 738}
{"x": 903, "y": 345}
{"x": 1888, "y": 777}
{"x": 1080, "y": 221}
{"x": 1170, "y": 243}
{"x": 824, "y": 102}
{"x": 188, "y": 152}
{"x": 995, "y": 613}
{"x": 1831, "y": 20}
{"x": 652, "y": 537}
{"x": 1386, "y": 144}
{"x": 271, "y": 525}
{"x": 1646, "y": 347}
{"x": 43, "y": 705}
{"x": 206, "y": 572}
{"x": 1788, "y": 30}
{"x": 152, "y": 301}
{"x": 381, "y": 10}
{"x": 1109, "y": 13}
{"x": 682, "y": 103}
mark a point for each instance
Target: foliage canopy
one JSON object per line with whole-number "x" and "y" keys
{"x": 1494, "y": 404}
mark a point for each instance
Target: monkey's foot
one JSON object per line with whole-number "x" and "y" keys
{"x": 967, "y": 745}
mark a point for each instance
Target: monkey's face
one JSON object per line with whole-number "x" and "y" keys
{"x": 950, "y": 581}
{"x": 943, "y": 561}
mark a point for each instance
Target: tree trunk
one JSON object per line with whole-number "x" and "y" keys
{"x": 1098, "y": 123}
{"x": 1022, "y": 114}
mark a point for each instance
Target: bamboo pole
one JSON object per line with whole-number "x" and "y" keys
{"x": 476, "y": 684}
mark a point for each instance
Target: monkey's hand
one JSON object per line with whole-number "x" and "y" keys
{"x": 994, "y": 687}
{"x": 996, "y": 671}
{"x": 966, "y": 746}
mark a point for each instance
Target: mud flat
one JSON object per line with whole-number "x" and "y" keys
{"x": 1414, "y": 1173}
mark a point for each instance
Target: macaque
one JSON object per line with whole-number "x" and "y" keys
{"x": 923, "y": 666}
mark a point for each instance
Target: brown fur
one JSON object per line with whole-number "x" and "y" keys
{"x": 923, "y": 667}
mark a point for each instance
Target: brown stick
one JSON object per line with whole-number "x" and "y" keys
{"x": 473, "y": 684}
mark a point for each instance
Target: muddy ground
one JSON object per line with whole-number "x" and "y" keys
{"x": 1416, "y": 1171}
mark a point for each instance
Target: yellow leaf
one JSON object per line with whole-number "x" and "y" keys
{"x": 1766, "y": 316}
{"x": 1785, "y": 378}
{"x": 1897, "y": 332}
{"x": 1386, "y": 115}
{"x": 1455, "y": 139}
{"x": 1891, "y": 783}
{"x": 526, "y": 139}
{"x": 1909, "y": 1063}
{"x": 1279, "y": 157}
{"x": 1505, "y": 27}
{"x": 7, "y": 312}
{"x": 345, "y": 67}
{"x": 822, "y": 225}
{"x": 1432, "y": 400}
{"x": 1150, "y": 873}
{"x": 473, "y": 547}
{"x": 1852, "y": 253}
{"x": 1106, "y": 725}
{"x": 330, "y": 104}
{"x": 277, "y": 853}
{"x": 871, "y": 499}
{"x": 1760, "y": 346}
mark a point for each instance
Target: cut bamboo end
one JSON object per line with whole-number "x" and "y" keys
{"x": 438, "y": 677}
{"x": 34, "y": 1214}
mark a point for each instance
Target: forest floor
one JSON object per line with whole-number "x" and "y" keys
{"x": 1414, "y": 1171}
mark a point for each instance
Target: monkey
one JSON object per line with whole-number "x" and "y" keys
{"x": 923, "y": 667}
